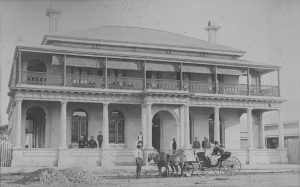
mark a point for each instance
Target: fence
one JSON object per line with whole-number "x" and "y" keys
{"x": 293, "y": 151}
{"x": 5, "y": 153}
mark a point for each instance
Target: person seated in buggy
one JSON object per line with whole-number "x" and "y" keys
{"x": 219, "y": 153}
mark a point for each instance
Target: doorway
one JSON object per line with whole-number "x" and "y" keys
{"x": 35, "y": 128}
{"x": 156, "y": 132}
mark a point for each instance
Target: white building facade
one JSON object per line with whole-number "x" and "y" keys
{"x": 122, "y": 80}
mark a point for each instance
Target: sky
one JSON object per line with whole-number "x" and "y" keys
{"x": 267, "y": 29}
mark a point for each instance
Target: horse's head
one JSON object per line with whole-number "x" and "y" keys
{"x": 153, "y": 157}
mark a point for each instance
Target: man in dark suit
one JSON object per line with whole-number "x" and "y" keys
{"x": 81, "y": 142}
{"x": 100, "y": 139}
{"x": 92, "y": 143}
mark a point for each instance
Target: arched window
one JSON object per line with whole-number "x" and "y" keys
{"x": 36, "y": 66}
{"x": 211, "y": 122}
{"x": 36, "y": 72}
{"x": 116, "y": 127}
{"x": 79, "y": 125}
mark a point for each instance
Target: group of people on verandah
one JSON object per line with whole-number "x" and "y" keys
{"x": 91, "y": 143}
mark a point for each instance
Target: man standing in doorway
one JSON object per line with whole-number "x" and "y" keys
{"x": 100, "y": 139}
{"x": 173, "y": 146}
{"x": 81, "y": 142}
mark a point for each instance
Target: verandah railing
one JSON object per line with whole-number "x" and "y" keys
{"x": 85, "y": 81}
{"x": 41, "y": 78}
{"x": 131, "y": 83}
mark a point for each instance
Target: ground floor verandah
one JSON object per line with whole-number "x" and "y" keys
{"x": 45, "y": 133}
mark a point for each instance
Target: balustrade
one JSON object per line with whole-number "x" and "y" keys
{"x": 130, "y": 83}
{"x": 163, "y": 84}
{"x": 85, "y": 81}
{"x": 41, "y": 78}
{"x": 233, "y": 89}
{"x": 126, "y": 83}
{"x": 264, "y": 90}
{"x": 199, "y": 86}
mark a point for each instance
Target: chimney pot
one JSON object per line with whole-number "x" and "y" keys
{"x": 212, "y": 29}
{"x": 53, "y": 15}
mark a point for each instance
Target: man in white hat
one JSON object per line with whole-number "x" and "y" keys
{"x": 138, "y": 159}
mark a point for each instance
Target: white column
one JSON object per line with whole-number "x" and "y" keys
{"x": 178, "y": 135}
{"x": 216, "y": 125}
{"x": 262, "y": 131}
{"x": 182, "y": 126}
{"x": 249, "y": 125}
{"x": 187, "y": 127}
{"x": 280, "y": 130}
{"x": 144, "y": 124}
{"x": 105, "y": 129}
{"x": 19, "y": 124}
{"x": 149, "y": 126}
{"x": 63, "y": 124}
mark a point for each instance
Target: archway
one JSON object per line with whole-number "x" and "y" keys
{"x": 211, "y": 122}
{"x": 163, "y": 130}
{"x": 36, "y": 66}
{"x": 35, "y": 127}
{"x": 156, "y": 132}
{"x": 36, "y": 72}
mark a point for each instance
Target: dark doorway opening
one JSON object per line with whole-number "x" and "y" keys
{"x": 156, "y": 132}
{"x": 35, "y": 128}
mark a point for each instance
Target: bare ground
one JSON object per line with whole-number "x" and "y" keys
{"x": 249, "y": 179}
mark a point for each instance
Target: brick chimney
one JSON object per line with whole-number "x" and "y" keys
{"x": 212, "y": 29}
{"x": 53, "y": 15}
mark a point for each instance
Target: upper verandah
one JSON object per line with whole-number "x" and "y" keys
{"x": 141, "y": 37}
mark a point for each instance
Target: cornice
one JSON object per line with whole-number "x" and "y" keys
{"x": 138, "y": 97}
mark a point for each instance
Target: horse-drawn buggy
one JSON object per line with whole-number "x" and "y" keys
{"x": 219, "y": 161}
{"x": 223, "y": 163}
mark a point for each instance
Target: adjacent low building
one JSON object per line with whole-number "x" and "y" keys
{"x": 121, "y": 80}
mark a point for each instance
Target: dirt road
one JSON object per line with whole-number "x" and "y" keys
{"x": 255, "y": 179}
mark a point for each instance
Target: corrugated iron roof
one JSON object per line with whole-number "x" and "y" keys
{"x": 136, "y": 35}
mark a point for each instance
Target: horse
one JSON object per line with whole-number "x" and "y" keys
{"x": 177, "y": 159}
{"x": 160, "y": 161}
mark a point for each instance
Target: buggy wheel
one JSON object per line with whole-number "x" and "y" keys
{"x": 232, "y": 166}
{"x": 189, "y": 169}
{"x": 219, "y": 170}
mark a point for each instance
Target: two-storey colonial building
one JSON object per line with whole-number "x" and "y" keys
{"x": 121, "y": 80}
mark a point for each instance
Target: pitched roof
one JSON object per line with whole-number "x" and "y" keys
{"x": 136, "y": 35}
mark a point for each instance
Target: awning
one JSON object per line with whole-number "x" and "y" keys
{"x": 57, "y": 60}
{"x": 196, "y": 69}
{"x": 158, "y": 66}
{"x": 85, "y": 62}
{"x": 231, "y": 71}
{"x": 124, "y": 64}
